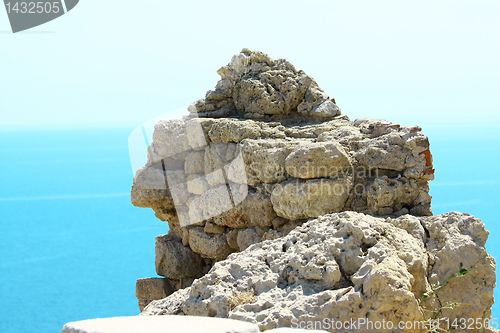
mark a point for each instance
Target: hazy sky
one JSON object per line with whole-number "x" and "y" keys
{"x": 124, "y": 62}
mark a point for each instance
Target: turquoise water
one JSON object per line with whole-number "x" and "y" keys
{"x": 72, "y": 245}
{"x": 466, "y": 179}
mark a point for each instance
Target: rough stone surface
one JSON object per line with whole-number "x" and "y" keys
{"x": 258, "y": 208}
{"x": 150, "y": 188}
{"x": 160, "y": 324}
{"x": 349, "y": 265}
{"x": 297, "y": 199}
{"x": 384, "y": 169}
{"x": 317, "y": 160}
{"x": 209, "y": 246}
{"x": 255, "y": 86}
{"x": 266, "y": 151}
{"x": 212, "y": 228}
{"x": 326, "y": 110}
{"x": 247, "y": 237}
{"x": 150, "y": 289}
{"x": 176, "y": 261}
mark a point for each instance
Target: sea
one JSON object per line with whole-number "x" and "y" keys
{"x": 72, "y": 245}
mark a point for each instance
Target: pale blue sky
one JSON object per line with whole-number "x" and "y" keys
{"x": 124, "y": 62}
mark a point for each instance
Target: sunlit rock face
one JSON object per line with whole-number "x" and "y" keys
{"x": 263, "y": 153}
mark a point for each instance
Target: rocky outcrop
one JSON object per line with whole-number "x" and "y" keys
{"x": 333, "y": 216}
{"x": 348, "y": 266}
{"x": 254, "y": 86}
{"x": 221, "y": 182}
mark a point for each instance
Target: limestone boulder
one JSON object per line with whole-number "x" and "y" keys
{"x": 257, "y": 208}
{"x": 150, "y": 188}
{"x": 213, "y": 246}
{"x": 194, "y": 162}
{"x": 326, "y": 110}
{"x": 232, "y": 130}
{"x": 318, "y": 160}
{"x": 176, "y": 261}
{"x": 150, "y": 289}
{"x": 347, "y": 266}
{"x": 299, "y": 199}
{"x": 212, "y": 228}
{"x": 265, "y": 159}
{"x": 169, "y": 140}
{"x": 262, "y": 153}
{"x": 255, "y": 86}
{"x": 247, "y": 237}
{"x": 212, "y": 202}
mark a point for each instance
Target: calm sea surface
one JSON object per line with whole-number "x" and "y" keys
{"x": 72, "y": 245}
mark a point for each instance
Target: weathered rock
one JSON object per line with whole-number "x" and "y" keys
{"x": 282, "y": 230}
{"x": 211, "y": 203}
{"x": 216, "y": 155}
{"x": 326, "y": 110}
{"x": 176, "y": 261}
{"x": 385, "y": 193}
{"x": 310, "y": 138}
{"x": 258, "y": 208}
{"x": 298, "y": 199}
{"x": 212, "y": 228}
{"x": 373, "y": 148}
{"x": 162, "y": 324}
{"x": 197, "y": 184}
{"x": 279, "y": 221}
{"x": 151, "y": 289}
{"x": 213, "y": 246}
{"x": 232, "y": 239}
{"x": 347, "y": 266}
{"x": 255, "y": 86}
{"x": 265, "y": 151}
{"x": 265, "y": 159}
{"x": 197, "y": 138}
{"x": 247, "y": 237}
{"x": 233, "y": 218}
{"x": 195, "y": 162}
{"x": 231, "y": 130}
{"x": 150, "y": 188}
{"x": 170, "y": 216}
{"x": 169, "y": 140}
{"x": 318, "y": 160}
{"x": 392, "y": 147}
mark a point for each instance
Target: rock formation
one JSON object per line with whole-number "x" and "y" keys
{"x": 263, "y": 153}
{"x": 347, "y": 266}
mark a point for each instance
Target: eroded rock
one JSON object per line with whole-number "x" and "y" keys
{"x": 348, "y": 266}
{"x": 150, "y": 289}
{"x": 213, "y": 246}
{"x": 176, "y": 261}
{"x": 298, "y": 199}
{"x": 318, "y": 160}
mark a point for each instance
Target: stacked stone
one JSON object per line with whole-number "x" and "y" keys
{"x": 264, "y": 152}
